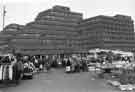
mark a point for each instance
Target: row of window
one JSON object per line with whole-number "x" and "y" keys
{"x": 50, "y": 14}
{"x": 35, "y": 35}
{"x": 118, "y": 27}
{"x": 120, "y": 42}
{"x": 54, "y": 27}
{"x": 119, "y": 37}
{"x": 101, "y": 27}
{"x": 107, "y": 22}
{"x": 116, "y": 20}
{"x": 57, "y": 23}
{"x": 71, "y": 14}
{"x": 107, "y": 33}
{"x": 57, "y": 18}
{"x": 127, "y": 32}
{"x": 40, "y": 50}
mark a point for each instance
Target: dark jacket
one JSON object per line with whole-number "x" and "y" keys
{"x": 68, "y": 63}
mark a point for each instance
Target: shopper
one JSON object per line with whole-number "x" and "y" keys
{"x": 47, "y": 63}
{"x": 16, "y": 72}
{"x": 68, "y": 66}
{"x": 20, "y": 68}
{"x": 84, "y": 66}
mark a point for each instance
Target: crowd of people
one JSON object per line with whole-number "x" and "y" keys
{"x": 40, "y": 62}
{"x": 13, "y": 66}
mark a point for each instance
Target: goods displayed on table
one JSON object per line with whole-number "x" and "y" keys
{"x": 28, "y": 70}
{"x": 118, "y": 65}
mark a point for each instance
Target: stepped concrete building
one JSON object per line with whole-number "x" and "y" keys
{"x": 53, "y": 31}
{"x": 107, "y": 32}
{"x": 61, "y": 31}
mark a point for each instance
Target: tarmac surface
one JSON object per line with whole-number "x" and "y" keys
{"x": 58, "y": 81}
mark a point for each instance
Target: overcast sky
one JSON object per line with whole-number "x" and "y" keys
{"x": 24, "y": 11}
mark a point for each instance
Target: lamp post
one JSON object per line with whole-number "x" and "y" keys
{"x": 4, "y": 14}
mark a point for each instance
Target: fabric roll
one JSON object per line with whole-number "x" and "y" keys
{"x": 10, "y": 72}
{"x": 4, "y": 72}
{"x": 1, "y": 72}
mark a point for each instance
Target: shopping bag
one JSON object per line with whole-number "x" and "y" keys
{"x": 68, "y": 69}
{"x": 41, "y": 66}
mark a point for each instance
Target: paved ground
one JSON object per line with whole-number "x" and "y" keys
{"x": 58, "y": 81}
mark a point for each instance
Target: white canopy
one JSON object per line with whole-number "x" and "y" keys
{"x": 123, "y": 53}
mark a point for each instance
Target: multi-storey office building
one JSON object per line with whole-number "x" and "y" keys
{"x": 106, "y": 32}
{"x": 54, "y": 31}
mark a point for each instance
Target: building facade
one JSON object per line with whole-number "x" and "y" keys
{"x": 59, "y": 31}
{"x": 53, "y": 31}
{"x": 116, "y": 32}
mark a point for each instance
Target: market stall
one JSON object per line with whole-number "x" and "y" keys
{"x": 8, "y": 69}
{"x": 120, "y": 68}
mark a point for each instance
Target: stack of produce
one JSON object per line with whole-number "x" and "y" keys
{"x": 127, "y": 77}
{"x": 125, "y": 81}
